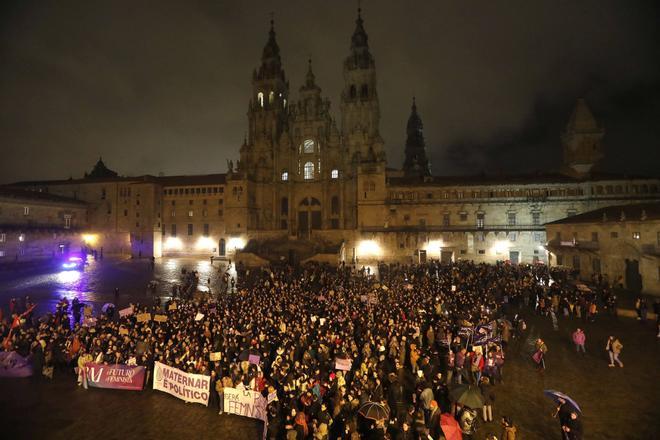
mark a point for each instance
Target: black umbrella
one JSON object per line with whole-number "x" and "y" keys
{"x": 467, "y": 395}
{"x": 374, "y": 411}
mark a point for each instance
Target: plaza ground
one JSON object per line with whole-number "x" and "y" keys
{"x": 616, "y": 403}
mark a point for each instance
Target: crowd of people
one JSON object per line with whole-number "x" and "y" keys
{"x": 414, "y": 338}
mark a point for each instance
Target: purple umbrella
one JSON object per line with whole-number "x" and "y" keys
{"x": 556, "y": 395}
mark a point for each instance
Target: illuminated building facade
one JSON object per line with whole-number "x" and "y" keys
{"x": 309, "y": 187}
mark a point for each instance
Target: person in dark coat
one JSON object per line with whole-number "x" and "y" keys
{"x": 434, "y": 420}
{"x": 572, "y": 429}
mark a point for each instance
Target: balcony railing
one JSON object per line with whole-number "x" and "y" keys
{"x": 452, "y": 228}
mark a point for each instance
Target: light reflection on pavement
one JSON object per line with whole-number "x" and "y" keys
{"x": 96, "y": 284}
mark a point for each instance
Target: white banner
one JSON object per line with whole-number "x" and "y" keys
{"x": 185, "y": 386}
{"x": 246, "y": 403}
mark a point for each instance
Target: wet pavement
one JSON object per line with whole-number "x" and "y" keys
{"x": 617, "y": 403}
{"x": 95, "y": 285}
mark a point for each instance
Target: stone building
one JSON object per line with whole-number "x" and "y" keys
{"x": 621, "y": 242}
{"x": 36, "y": 225}
{"x": 309, "y": 186}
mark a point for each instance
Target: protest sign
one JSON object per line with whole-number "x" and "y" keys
{"x": 160, "y": 318}
{"x": 453, "y": 288}
{"x": 343, "y": 364}
{"x": 144, "y": 317}
{"x": 171, "y": 307}
{"x": 115, "y": 376}
{"x": 215, "y": 356}
{"x": 128, "y": 311}
{"x": 246, "y": 403}
{"x": 199, "y": 317}
{"x": 254, "y": 359}
{"x": 186, "y": 386}
{"x": 123, "y": 331}
{"x": 89, "y": 322}
{"x": 13, "y": 364}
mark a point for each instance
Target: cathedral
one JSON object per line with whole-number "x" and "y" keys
{"x": 309, "y": 187}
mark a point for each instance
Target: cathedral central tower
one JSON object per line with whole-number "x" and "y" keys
{"x": 360, "y": 111}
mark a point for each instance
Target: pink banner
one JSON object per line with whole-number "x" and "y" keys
{"x": 116, "y": 376}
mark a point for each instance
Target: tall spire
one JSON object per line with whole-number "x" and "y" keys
{"x": 271, "y": 63}
{"x": 360, "y": 55}
{"x": 416, "y": 163}
{"x": 310, "y": 78}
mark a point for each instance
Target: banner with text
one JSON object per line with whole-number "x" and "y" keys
{"x": 115, "y": 376}
{"x": 185, "y": 386}
{"x": 246, "y": 403}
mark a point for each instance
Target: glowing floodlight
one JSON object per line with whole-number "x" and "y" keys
{"x": 434, "y": 246}
{"x": 173, "y": 243}
{"x": 501, "y": 246}
{"x": 205, "y": 243}
{"x": 368, "y": 248}
{"x": 236, "y": 243}
{"x": 90, "y": 239}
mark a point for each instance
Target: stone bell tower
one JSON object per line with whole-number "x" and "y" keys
{"x": 581, "y": 141}
{"x": 360, "y": 111}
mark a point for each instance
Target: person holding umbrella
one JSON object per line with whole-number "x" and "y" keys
{"x": 572, "y": 428}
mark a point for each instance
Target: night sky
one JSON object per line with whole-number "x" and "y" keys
{"x": 163, "y": 86}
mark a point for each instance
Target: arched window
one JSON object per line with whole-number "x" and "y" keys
{"x": 334, "y": 174}
{"x": 364, "y": 91}
{"x": 260, "y": 98}
{"x": 334, "y": 205}
{"x": 285, "y": 176}
{"x": 352, "y": 92}
{"x": 271, "y": 97}
{"x": 284, "y": 207}
{"x": 308, "y": 146}
{"x": 309, "y": 170}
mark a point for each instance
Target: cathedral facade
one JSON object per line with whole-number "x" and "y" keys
{"x": 309, "y": 187}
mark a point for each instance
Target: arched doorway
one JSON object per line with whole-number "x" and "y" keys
{"x": 309, "y": 216}
{"x": 222, "y": 248}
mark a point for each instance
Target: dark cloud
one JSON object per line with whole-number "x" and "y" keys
{"x": 164, "y": 86}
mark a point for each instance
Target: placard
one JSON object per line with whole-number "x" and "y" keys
{"x": 215, "y": 356}
{"x": 171, "y": 307}
{"x": 128, "y": 311}
{"x": 186, "y": 386}
{"x": 343, "y": 364}
{"x": 246, "y": 403}
{"x": 160, "y": 318}
{"x": 143, "y": 317}
{"x": 199, "y": 316}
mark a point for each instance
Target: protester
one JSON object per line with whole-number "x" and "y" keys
{"x": 579, "y": 339}
{"x": 614, "y": 347}
{"x": 319, "y": 341}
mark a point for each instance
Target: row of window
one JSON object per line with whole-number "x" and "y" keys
{"x": 190, "y": 229}
{"x": 192, "y": 202}
{"x": 636, "y": 235}
{"x": 308, "y": 173}
{"x": 204, "y": 213}
{"x": 271, "y": 98}
{"x": 193, "y": 191}
{"x": 480, "y": 219}
{"x": 621, "y": 189}
{"x": 479, "y": 194}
